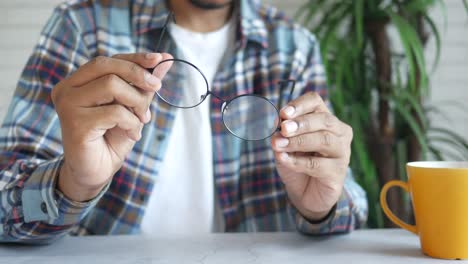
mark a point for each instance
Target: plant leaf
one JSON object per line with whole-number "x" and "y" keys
{"x": 309, "y": 10}
{"x": 451, "y": 142}
{"x": 413, "y": 47}
{"x": 413, "y": 124}
{"x": 438, "y": 42}
{"x": 450, "y": 133}
{"x": 407, "y": 48}
{"x": 416, "y": 6}
{"x": 436, "y": 152}
{"x": 359, "y": 20}
{"x": 407, "y": 98}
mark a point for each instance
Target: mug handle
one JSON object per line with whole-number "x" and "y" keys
{"x": 388, "y": 212}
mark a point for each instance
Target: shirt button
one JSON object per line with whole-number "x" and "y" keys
{"x": 44, "y": 207}
{"x": 161, "y": 137}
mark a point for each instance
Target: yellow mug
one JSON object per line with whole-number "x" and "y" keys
{"x": 439, "y": 193}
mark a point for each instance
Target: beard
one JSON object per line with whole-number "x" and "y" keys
{"x": 207, "y": 5}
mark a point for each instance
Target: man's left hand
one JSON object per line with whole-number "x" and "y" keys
{"x": 312, "y": 154}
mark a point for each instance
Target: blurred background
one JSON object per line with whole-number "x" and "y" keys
{"x": 447, "y": 88}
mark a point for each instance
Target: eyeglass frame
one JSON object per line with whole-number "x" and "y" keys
{"x": 208, "y": 92}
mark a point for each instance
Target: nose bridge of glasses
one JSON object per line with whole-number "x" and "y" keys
{"x": 216, "y": 96}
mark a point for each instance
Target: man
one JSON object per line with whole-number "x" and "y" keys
{"x": 88, "y": 148}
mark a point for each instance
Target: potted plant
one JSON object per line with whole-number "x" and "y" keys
{"x": 381, "y": 89}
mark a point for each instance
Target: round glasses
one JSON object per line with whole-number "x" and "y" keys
{"x": 247, "y": 116}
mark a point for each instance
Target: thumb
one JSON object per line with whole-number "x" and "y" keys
{"x": 163, "y": 67}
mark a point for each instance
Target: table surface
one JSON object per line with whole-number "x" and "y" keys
{"x": 363, "y": 246}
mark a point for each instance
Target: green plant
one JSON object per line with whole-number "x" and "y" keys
{"x": 380, "y": 89}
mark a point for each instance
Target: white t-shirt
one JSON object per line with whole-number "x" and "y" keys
{"x": 183, "y": 199}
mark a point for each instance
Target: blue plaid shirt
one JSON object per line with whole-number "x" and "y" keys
{"x": 268, "y": 48}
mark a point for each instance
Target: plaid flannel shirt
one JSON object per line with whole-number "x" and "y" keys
{"x": 268, "y": 48}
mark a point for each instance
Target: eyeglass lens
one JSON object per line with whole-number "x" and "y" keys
{"x": 250, "y": 117}
{"x": 178, "y": 86}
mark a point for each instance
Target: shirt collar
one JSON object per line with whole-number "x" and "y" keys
{"x": 148, "y": 15}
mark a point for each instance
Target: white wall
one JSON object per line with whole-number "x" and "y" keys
{"x": 450, "y": 80}
{"x": 21, "y": 21}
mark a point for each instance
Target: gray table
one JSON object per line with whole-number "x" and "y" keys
{"x": 366, "y": 246}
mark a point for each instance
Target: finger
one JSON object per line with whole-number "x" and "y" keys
{"x": 110, "y": 116}
{"x": 129, "y": 71}
{"x": 313, "y": 122}
{"x": 323, "y": 142}
{"x": 307, "y": 103}
{"x": 163, "y": 66}
{"x": 314, "y": 166}
{"x": 112, "y": 89}
{"x": 148, "y": 61}
{"x": 145, "y": 60}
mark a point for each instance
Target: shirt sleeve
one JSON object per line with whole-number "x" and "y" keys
{"x": 349, "y": 213}
{"x": 351, "y": 209}
{"x": 32, "y": 210}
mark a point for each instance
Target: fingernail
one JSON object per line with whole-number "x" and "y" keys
{"x": 150, "y": 56}
{"x": 282, "y": 142}
{"x": 133, "y": 135}
{"x": 151, "y": 79}
{"x": 159, "y": 57}
{"x": 148, "y": 115}
{"x": 284, "y": 156}
{"x": 290, "y": 126}
{"x": 289, "y": 110}
{"x": 137, "y": 137}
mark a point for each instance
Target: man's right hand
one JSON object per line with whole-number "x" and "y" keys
{"x": 102, "y": 108}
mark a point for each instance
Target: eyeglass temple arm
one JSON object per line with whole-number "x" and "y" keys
{"x": 170, "y": 17}
{"x": 282, "y": 83}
